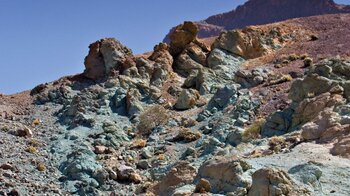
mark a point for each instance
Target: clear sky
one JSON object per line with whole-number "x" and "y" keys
{"x": 43, "y": 40}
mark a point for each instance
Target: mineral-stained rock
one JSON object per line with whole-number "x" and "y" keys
{"x": 81, "y": 166}
{"x": 185, "y": 65}
{"x": 271, "y": 182}
{"x": 278, "y": 123}
{"x": 181, "y": 36}
{"x": 225, "y": 174}
{"x": 161, "y": 55}
{"x": 101, "y": 175}
{"x": 187, "y": 99}
{"x": 163, "y": 64}
{"x": 136, "y": 178}
{"x": 104, "y": 56}
{"x": 221, "y": 57}
{"x": 223, "y": 97}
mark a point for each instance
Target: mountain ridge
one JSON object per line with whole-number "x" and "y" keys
{"x": 258, "y": 12}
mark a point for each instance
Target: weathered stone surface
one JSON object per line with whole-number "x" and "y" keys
{"x": 181, "y": 36}
{"x": 181, "y": 174}
{"x": 278, "y": 123}
{"x": 225, "y": 174}
{"x": 104, "y": 56}
{"x": 203, "y": 186}
{"x": 308, "y": 174}
{"x": 342, "y": 146}
{"x": 133, "y": 104}
{"x": 311, "y": 85}
{"x": 251, "y": 78}
{"x": 271, "y": 182}
{"x": 187, "y": 99}
{"x": 309, "y": 108}
{"x": 221, "y": 57}
{"x": 223, "y": 97}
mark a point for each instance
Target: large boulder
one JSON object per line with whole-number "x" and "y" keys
{"x": 162, "y": 56}
{"x": 104, "y": 56}
{"x": 272, "y": 182}
{"x": 311, "y": 85}
{"x": 253, "y": 42}
{"x": 239, "y": 43}
{"x": 182, "y": 36}
{"x": 187, "y": 99}
{"x": 326, "y": 127}
{"x": 225, "y": 174}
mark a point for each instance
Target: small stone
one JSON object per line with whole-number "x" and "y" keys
{"x": 136, "y": 178}
{"x": 112, "y": 174}
{"x": 100, "y": 149}
{"x": 147, "y": 153}
{"x": 143, "y": 164}
{"x": 203, "y": 186}
{"x": 189, "y": 152}
{"x": 25, "y": 132}
{"x": 14, "y": 192}
{"x": 124, "y": 172}
{"x": 6, "y": 166}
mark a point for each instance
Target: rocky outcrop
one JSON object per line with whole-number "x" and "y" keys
{"x": 225, "y": 174}
{"x": 324, "y": 86}
{"x": 105, "y": 56}
{"x": 182, "y": 36}
{"x": 252, "y": 42}
{"x": 256, "y": 12}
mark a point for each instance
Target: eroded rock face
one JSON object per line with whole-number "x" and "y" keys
{"x": 104, "y": 56}
{"x": 225, "y": 174}
{"x": 162, "y": 56}
{"x": 256, "y": 12}
{"x": 324, "y": 87}
{"x": 182, "y": 36}
{"x": 250, "y": 42}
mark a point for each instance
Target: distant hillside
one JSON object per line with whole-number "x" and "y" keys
{"x": 256, "y": 12}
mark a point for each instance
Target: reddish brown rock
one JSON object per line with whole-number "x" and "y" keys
{"x": 182, "y": 36}
{"x": 105, "y": 56}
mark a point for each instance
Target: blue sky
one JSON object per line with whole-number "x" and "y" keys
{"x": 42, "y": 40}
